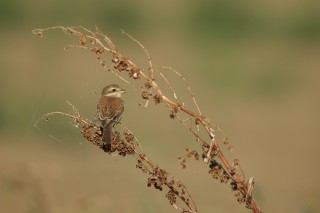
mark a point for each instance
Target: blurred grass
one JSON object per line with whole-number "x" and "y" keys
{"x": 253, "y": 67}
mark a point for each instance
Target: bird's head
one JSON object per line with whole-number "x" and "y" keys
{"x": 112, "y": 90}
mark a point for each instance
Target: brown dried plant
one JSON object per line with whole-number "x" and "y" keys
{"x": 124, "y": 143}
{"x": 219, "y": 167}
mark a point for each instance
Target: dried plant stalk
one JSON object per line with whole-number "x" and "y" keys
{"x": 219, "y": 166}
{"x": 125, "y": 144}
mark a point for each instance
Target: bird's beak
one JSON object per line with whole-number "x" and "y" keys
{"x": 122, "y": 91}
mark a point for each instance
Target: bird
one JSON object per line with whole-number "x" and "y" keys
{"x": 109, "y": 111}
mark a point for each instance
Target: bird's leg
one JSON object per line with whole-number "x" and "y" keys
{"x": 106, "y": 123}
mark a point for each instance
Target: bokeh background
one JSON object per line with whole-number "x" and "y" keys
{"x": 254, "y": 68}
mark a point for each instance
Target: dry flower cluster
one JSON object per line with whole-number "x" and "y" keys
{"x": 125, "y": 143}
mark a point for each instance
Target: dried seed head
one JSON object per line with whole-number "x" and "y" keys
{"x": 91, "y": 134}
{"x": 129, "y": 137}
{"x": 115, "y": 60}
{"x": 120, "y": 63}
{"x": 148, "y": 85}
{"x": 171, "y": 197}
{"x": 224, "y": 178}
{"x": 197, "y": 121}
{"x": 226, "y": 141}
{"x": 236, "y": 162}
{"x": 157, "y": 99}
{"x": 240, "y": 200}
{"x": 39, "y": 33}
{"x": 146, "y": 95}
{"x": 232, "y": 171}
{"x": 97, "y": 51}
{"x": 171, "y": 183}
{"x": 173, "y": 113}
{"x": 234, "y": 185}
{"x": 82, "y": 40}
{"x": 134, "y": 73}
{"x": 141, "y": 166}
{"x": 69, "y": 30}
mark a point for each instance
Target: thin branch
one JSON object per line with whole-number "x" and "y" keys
{"x": 187, "y": 85}
{"x": 150, "y": 68}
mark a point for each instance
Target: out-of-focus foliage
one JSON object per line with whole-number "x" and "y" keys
{"x": 254, "y": 68}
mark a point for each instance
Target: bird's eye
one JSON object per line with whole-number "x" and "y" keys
{"x": 113, "y": 90}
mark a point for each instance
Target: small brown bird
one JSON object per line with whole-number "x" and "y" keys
{"x": 109, "y": 110}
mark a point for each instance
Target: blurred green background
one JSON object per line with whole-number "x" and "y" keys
{"x": 254, "y": 68}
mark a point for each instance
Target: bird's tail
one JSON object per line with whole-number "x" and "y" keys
{"x": 106, "y": 137}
